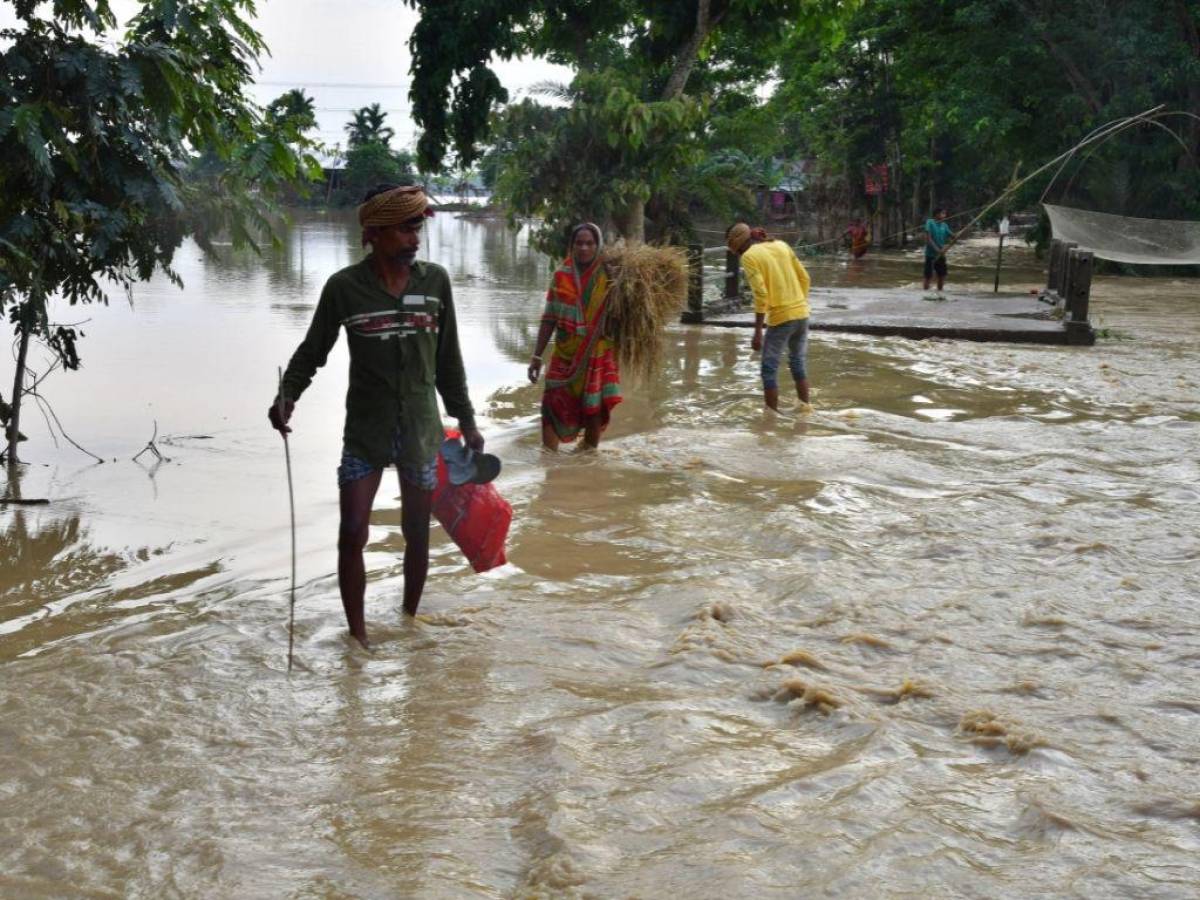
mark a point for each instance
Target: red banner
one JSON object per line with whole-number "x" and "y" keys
{"x": 877, "y": 180}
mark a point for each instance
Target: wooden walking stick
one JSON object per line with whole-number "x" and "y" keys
{"x": 287, "y": 456}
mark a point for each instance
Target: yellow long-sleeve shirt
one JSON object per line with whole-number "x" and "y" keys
{"x": 780, "y": 283}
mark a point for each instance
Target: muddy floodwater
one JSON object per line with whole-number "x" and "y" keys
{"x": 939, "y": 637}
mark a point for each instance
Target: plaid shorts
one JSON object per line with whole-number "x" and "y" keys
{"x": 352, "y": 468}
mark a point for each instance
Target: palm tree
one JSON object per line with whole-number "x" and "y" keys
{"x": 367, "y": 127}
{"x": 294, "y": 107}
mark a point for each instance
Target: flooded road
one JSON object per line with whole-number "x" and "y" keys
{"x": 937, "y": 638}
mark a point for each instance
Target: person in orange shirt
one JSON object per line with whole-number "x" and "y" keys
{"x": 780, "y": 285}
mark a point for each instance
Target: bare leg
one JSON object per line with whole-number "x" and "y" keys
{"x": 941, "y": 281}
{"x": 549, "y": 437}
{"x": 355, "y": 500}
{"x": 771, "y": 398}
{"x": 802, "y": 389}
{"x": 592, "y": 426}
{"x": 415, "y": 506}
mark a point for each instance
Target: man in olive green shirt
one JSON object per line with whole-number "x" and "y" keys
{"x": 403, "y": 338}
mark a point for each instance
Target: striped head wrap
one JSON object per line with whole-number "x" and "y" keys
{"x": 394, "y": 207}
{"x": 737, "y": 238}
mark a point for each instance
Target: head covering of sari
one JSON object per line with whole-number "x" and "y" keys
{"x": 393, "y": 207}
{"x": 593, "y": 228}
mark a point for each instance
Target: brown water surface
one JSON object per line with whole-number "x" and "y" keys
{"x": 937, "y": 638}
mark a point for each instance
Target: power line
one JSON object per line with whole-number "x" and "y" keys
{"x": 332, "y": 84}
{"x": 349, "y": 109}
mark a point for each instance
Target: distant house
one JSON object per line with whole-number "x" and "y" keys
{"x": 333, "y": 167}
{"x": 778, "y": 198}
{"x": 471, "y": 188}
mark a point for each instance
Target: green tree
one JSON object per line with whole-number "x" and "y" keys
{"x": 367, "y": 127}
{"x": 636, "y": 59}
{"x": 508, "y": 129}
{"x": 295, "y": 109}
{"x": 370, "y": 164}
{"x": 955, "y": 96}
{"x": 92, "y": 133}
{"x": 601, "y": 160}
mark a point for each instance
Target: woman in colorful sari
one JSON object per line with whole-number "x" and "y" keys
{"x": 582, "y": 381}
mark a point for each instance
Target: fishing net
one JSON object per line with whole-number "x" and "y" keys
{"x": 1125, "y": 239}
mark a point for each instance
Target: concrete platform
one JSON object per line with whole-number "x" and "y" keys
{"x": 900, "y": 312}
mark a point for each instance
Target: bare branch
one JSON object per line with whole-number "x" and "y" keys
{"x": 151, "y": 447}
{"x": 63, "y": 431}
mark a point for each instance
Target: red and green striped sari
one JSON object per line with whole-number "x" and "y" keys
{"x": 582, "y": 380}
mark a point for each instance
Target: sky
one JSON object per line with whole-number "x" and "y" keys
{"x": 349, "y": 53}
{"x": 346, "y": 54}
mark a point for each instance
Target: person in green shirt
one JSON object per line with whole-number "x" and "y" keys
{"x": 398, "y": 314}
{"x": 937, "y": 239}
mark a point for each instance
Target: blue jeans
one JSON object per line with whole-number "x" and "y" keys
{"x": 793, "y": 335}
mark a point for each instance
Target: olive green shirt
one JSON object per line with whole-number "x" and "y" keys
{"x": 401, "y": 349}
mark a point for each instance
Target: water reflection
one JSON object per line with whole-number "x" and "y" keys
{"x": 46, "y": 558}
{"x": 514, "y": 329}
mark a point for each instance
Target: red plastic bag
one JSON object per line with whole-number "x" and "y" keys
{"x": 474, "y": 515}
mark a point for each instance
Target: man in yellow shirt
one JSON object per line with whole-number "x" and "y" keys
{"x": 780, "y": 285}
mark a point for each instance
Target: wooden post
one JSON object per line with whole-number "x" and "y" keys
{"x": 999, "y": 258}
{"x": 1064, "y": 279}
{"x": 1052, "y": 267}
{"x": 1081, "y": 284}
{"x": 732, "y": 263}
{"x": 1079, "y": 329}
{"x": 1002, "y": 230}
{"x": 694, "y": 313}
{"x": 1064, "y": 268}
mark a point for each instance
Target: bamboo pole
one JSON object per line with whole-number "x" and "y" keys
{"x": 287, "y": 456}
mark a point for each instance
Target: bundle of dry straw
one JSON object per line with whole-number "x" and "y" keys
{"x": 647, "y": 289}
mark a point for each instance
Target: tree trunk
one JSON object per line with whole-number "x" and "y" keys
{"x": 689, "y": 52}
{"x": 631, "y": 222}
{"x": 915, "y": 217}
{"x": 932, "y": 177}
{"x": 14, "y": 419}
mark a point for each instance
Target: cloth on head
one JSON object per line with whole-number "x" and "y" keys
{"x": 393, "y": 207}
{"x": 593, "y": 228}
{"x": 738, "y": 237}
